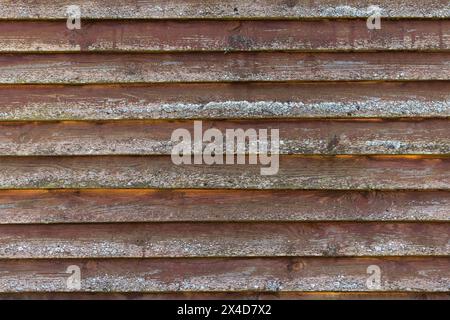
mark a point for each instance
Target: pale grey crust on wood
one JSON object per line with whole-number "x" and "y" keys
{"x": 249, "y": 295}
{"x": 146, "y": 205}
{"x": 226, "y": 101}
{"x": 295, "y": 172}
{"x": 232, "y": 275}
{"x": 200, "y": 240}
{"x": 95, "y": 68}
{"x": 151, "y": 240}
{"x": 295, "y": 137}
{"x": 173, "y": 9}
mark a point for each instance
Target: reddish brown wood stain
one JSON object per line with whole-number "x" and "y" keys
{"x": 86, "y": 178}
{"x": 296, "y": 137}
{"x": 155, "y": 205}
{"x": 173, "y": 35}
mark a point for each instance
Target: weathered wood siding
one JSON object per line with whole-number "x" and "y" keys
{"x": 86, "y": 177}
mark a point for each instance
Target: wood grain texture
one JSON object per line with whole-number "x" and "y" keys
{"x": 224, "y": 240}
{"x": 217, "y": 67}
{"x": 226, "y": 296}
{"x": 86, "y": 177}
{"x": 154, "y": 137}
{"x": 163, "y": 9}
{"x": 232, "y": 275}
{"x": 144, "y": 205}
{"x": 172, "y": 35}
{"x": 226, "y": 101}
{"x": 295, "y": 172}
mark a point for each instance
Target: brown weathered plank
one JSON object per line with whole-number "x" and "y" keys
{"x": 295, "y": 172}
{"x": 163, "y": 9}
{"x": 224, "y": 100}
{"x": 296, "y": 137}
{"x": 218, "y": 275}
{"x": 226, "y": 296}
{"x": 224, "y": 240}
{"x": 144, "y": 205}
{"x": 78, "y": 68}
{"x": 141, "y": 35}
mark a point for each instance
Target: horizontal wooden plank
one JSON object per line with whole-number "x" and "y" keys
{"x": 218, "y": 275}
{"x": 163, "y": 9}
{"x": 144, "y": 205}
{"x": 224, "y": 240}
{"x": 151, "y": 35}
{"x": 225, "y": 100}
{"x": 296, "y": 137}
{"x": 227, "y": 296}
{"x": 295, "y": 172}
{"x": 79, "y": 68}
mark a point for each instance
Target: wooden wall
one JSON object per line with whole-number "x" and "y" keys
{"x": 86, "y": 176}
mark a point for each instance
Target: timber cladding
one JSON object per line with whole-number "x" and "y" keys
{"x": 358, "y": 208}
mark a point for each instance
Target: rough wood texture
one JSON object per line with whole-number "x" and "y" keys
{"x": 227, "y": 296}
{"x": 86, "y": 177}
{"x": 296, "y": 137}
{"x": 226, "y": 101}
{"x": 295, "y": 172}
{"x": 126, "y": 35}
{"x": 218, "y": 275}
{"x": 231, "y": 101}
{"x": 80, "y": 68}
{"x": 224, "y": 240}
{"x": 144, "y": 205}
{"x": 163, "y": 9}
